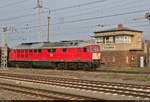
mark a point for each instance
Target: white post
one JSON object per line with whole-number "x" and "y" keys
{"x": 39, "y": 6}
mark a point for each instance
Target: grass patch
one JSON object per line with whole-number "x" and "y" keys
{"x": 145, "y": 69}
{"x": 125, "y": 77}
{"x": 143, "y": 78}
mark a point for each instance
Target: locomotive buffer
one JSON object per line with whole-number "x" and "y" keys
{"x": 4, "y": 50}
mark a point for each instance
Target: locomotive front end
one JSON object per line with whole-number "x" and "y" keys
{"x": 96, "y": 55}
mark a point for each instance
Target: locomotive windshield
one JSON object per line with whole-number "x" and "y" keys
{"x": 98, "y": 48}
{"x": 93, "y": 48}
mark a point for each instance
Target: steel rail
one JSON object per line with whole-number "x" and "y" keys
{"x": 42, "y": 93}
{"x": 98, "y": 86}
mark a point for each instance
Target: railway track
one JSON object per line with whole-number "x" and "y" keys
{"x": 140, "y": 91}
{"x": 41, "y": 93}
{"x": 123, "y": 72}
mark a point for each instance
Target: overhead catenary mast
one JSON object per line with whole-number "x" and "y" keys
{"x": 39, "y": 7}
{"x": 48, "y": 39}
{"x": 4, "y": 49}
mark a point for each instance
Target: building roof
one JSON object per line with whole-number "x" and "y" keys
{"x": 107, "y": 34}
{"x": 62, "y": 44}
{"x": 118, "y": 29}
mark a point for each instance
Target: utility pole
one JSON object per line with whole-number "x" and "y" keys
{"x": 49, "y": 26}
{"x": 48, "y": 29}
{"x": 147, "y": 16}
{"x": 39, "y": 6}
{"x": 4, "y": 49}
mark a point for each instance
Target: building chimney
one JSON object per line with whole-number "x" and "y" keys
{"x": 120, "y": 25}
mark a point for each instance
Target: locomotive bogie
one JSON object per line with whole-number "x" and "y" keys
{"x": 55, "y": 65}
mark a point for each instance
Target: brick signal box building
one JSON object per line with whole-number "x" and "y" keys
{"x": 121, "y": 47}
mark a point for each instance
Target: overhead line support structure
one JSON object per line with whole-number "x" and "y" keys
{"x": 4, "y": 49}
{"x": 147, "y": 16}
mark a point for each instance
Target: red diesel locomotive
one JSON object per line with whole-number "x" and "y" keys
{"x": 60, "y": 55}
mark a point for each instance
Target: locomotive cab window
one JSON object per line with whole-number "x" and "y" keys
{"x": 22, "y": 51}
{"x": 30, "y": 51}
{"x": 14, "y": 51}
{"x": 79, "y": 50}
{"x": 39, "y": 50}
{"x": 11, "y": 51}
{"x": 49, "y": 50}
{"x": 98, "y": 48}
{"x": 54, "y": 50}
{"x": 35, "y": 50}
{"x": 64, "y": 50}
{"x": 93, "y": 49}
{"x": 86, "y": 49}
{"x": 18, "y": 51}
{"x": 26, "y": 51}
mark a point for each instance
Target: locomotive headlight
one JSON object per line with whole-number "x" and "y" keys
{"x": 99, "y": 55}
{"x": 96, "y": 56}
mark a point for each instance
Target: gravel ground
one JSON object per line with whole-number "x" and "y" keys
{"x": 8, "y": 95}
{"x": 68, "y": 74}
{"x": 98, "y": 76}
{"x": 97, "y": 95}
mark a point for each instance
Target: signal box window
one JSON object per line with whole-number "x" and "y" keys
{"x": 49, "y": 50}
{"x": 54, "y": 50}
{"x": 64, "y": 50}
{"x": 35, "y": 50}
{"x": 109, "y": 39}
{"x": 93, "y": 49}
{"x": 39, "y": 51}
{"x": 100, "y": 40}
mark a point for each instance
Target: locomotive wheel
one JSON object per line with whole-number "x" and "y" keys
{"x": 52, "y": 65}
{"x": 61, "y": 65}
{"x": 86, "y": 67}
{"x": 70, "y": 66}
{"x": 80, "y": 66}
{"x": 83, "y": 66}
{"x": 74, "y": 66}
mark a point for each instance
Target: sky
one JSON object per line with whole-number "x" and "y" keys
{"x": 70, "y": 19}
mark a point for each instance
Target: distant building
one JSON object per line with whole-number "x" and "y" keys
{"x": 122, "y": 47}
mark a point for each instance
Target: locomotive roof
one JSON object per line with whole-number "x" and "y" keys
{"x": 62, "y": 44}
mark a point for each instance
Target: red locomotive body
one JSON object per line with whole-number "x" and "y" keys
{"x": 60, "y": 55}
